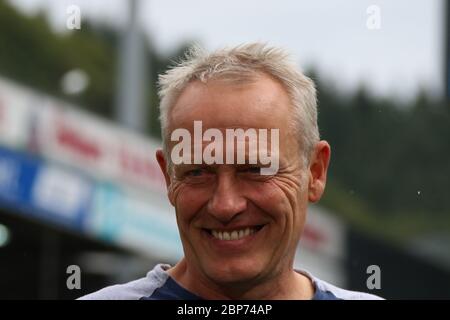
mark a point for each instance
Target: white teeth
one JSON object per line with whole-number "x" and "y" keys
{"x": 232, "y": 235}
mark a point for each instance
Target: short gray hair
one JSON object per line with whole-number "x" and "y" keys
{"x": 241, "y": 64}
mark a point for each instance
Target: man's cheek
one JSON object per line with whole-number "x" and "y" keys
{"x": 187, "y": 204}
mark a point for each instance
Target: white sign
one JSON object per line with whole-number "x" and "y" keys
{"x": 60, "y": 191}
{"x": 322, "y": 248}
{"x": 14, "y": 115}
{"x": 147, "y": 225}
{"x": 60, "y": 132}
{"x": 98, "y": 147}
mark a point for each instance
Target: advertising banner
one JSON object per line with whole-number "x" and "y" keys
{"x": 42, "y": 191}
{"x": 145, "y": 224}
{"x": 98, "y": 147}
{"x": 15, "y": 112}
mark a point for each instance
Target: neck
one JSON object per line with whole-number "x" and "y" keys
{"x": 287, "y": 285}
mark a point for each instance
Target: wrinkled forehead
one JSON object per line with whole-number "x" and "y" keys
{"x": 262, "y": 103}
{"x": 259, "y": 105}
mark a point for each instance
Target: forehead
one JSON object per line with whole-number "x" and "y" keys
{"x": 261, "y": 103}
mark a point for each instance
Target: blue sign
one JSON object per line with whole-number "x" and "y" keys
{"x": 122, "y": 217}
{"x": 17, "y": 174}
{"x": 65, "y": 197}
{"x": 43, "y": 191}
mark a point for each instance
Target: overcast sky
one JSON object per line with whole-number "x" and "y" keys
{"x": 404, "y": 54}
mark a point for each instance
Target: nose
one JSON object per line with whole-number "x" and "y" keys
{"x": 227, "y": 201}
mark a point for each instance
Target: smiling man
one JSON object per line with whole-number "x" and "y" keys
{"x": 239, "y": 225}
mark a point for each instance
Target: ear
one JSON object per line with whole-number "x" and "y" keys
{"x": 318, "y": 170}
{"x": 163, "y": 164}
{"x": 162, "y": 161}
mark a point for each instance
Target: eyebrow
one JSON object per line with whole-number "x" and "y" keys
{"x": 183, "y": 167}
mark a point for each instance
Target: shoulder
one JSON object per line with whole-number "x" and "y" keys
{"x": 343, "y": 294}
{"x": 338, "y": 293}
{"x": 133, "y": 290}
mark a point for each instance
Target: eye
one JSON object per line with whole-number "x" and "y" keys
{"x": 253, "y": 170}
{"x": 194, "y": 173}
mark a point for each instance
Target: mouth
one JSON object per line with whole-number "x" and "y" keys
{"x": 234, "y": 234}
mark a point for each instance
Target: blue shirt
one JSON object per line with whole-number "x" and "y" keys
{"x": 171, "y": 290}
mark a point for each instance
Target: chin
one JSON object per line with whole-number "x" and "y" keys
{"x": 233, "y": 271}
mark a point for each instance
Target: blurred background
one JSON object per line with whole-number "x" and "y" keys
{"x": 79, "y": 127}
